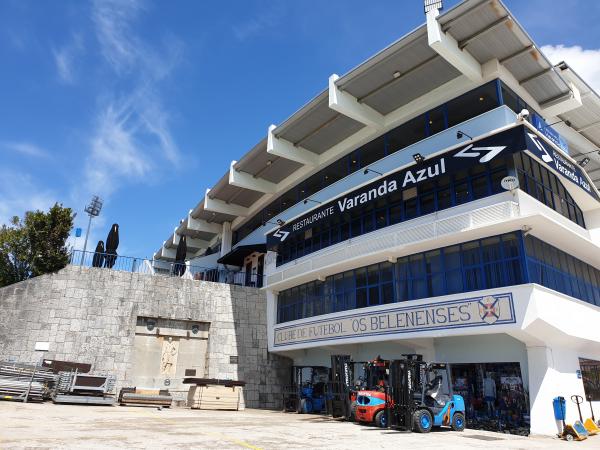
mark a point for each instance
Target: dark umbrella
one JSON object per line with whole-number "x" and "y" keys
{"x": 112, "y": 242}
{"x": 180, "y": 254}
{"x": 98, "y": 259}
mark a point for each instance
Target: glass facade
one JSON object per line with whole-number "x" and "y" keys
{"x": 430, "y": 196}
{"x": 562, "y": 272}
{"x": 471, "y": 104}
{"x": 543, "y": 185}
{"x": 435, "y": 195}
{"x": 497, "y": 261}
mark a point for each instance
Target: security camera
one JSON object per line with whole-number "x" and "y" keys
{"x": 524, "y": 114}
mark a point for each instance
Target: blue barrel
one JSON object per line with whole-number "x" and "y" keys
{"x": 560, "y": 408}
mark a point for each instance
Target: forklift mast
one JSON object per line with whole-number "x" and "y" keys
{"x": 341, "y": 385}
{"x": 407, "y": 382}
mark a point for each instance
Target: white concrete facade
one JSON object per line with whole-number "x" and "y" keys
{"x": 544, "y": 331}
{"x": 551, "y": 331}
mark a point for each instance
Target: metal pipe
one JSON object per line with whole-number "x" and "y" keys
{"x": 87, "y": 233}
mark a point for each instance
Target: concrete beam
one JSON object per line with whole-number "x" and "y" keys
{"x": 564, "y": 104}
{"x": 247, "y": 181}
{"x": 202, "y": 225}
{"x": 285, "y": 149}
{"x": 191, "y": 242}
{"x": 346, "y": 104}
{"x": 447, "y": 47}
{"x": 219, "y": 206}
{"x": 168, "y": 253}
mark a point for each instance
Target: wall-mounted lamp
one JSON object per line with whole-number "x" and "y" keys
{"x": 278, "y": 222}
{"x": 419, "y": 159}
{"x": 306, "y": 200}
{"x": 523, "y": 115}
{"x": 460, "y": 134}
{"x": 367, "y": 170}
{"x": 584, "y": 162}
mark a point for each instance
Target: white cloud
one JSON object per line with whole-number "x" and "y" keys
{"x": 132, "y": 134}
{"x": 266, "y": 19}
{"x": 65, "y": 57}
{"x": 115, "y": 150}
{"x": 20, "y": 193}
{"x": 24, "y": 148}
{"x": 123, "y": 49}
{"x": 119, "y": 44}
{"x": 586, "y": 62}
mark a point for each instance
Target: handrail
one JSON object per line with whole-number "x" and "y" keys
{"x": 164, "y": 268}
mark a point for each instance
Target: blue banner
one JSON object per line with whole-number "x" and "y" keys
{"x": 550, "y": 133}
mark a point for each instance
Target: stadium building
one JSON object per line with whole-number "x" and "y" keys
{"x": 440, "y": 198}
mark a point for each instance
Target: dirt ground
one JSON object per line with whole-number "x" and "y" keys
{"x": 76, "y": 426}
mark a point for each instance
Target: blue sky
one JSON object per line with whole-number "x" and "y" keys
{"x": 146, "y": 103}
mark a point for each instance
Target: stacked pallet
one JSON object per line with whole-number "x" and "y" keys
{"x": 17, "y": 379}
{"x": 74, "y": 387}
{"x": 213, "y": 394}
{"x": 138, "y": 396}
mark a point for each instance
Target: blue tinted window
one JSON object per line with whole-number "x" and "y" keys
{"x": 483, "y": 264}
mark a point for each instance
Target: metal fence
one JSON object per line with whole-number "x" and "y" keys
{"x": 165, "y": 268}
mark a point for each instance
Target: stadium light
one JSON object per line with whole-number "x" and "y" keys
{"x": 93, "y": 210}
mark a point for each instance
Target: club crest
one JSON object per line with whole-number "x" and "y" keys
{"x": 489, "y": 309}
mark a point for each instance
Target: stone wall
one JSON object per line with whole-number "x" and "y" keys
{"x": 89, "y": 315}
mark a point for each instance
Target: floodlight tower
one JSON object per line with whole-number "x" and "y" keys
{"x": 93, "y": 210}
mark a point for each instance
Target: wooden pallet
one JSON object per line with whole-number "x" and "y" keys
{"x": 213, "y": 397}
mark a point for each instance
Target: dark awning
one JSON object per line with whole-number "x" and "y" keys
{"x": 236, "y": 256}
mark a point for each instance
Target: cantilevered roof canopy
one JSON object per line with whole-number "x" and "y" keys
{"x": 487, "y": 30}
{"x": 234, "y": 194}
{"x": 316, "y": 127}
{"x": 258, "y": 163}
{"x": 404, "y": 71}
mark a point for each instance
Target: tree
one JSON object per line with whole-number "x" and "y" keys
{"x": 35, "y": 245}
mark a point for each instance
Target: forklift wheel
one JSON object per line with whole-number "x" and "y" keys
{"x": 423, "y": 421}
{"x": 381, "y": 419}
{"x": 569, "y": 437}
{"x": 458, "y": 421}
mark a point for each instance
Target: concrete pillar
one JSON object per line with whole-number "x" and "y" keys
{"x": 271, "y": 316}
{"x": 226, "y": 238}
{"x": 552, "y": 373}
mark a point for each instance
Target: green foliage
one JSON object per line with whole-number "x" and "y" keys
{"x": 35, "y": 245}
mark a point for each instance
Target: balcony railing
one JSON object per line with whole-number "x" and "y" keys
{"x": 164, "y": 268}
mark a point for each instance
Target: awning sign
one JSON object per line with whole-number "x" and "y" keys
{"x": 490, "y": 310}
{"x": 478, "y": 152}
{"x": 558, "y": 162}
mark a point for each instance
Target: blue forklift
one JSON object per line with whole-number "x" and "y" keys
{"x": 421, "y": 397}
{"x": 307, "y": 393}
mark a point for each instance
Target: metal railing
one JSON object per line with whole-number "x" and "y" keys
{"x": 164, "y": 268}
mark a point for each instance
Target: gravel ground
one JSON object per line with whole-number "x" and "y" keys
{"x": 73, "y": 426}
